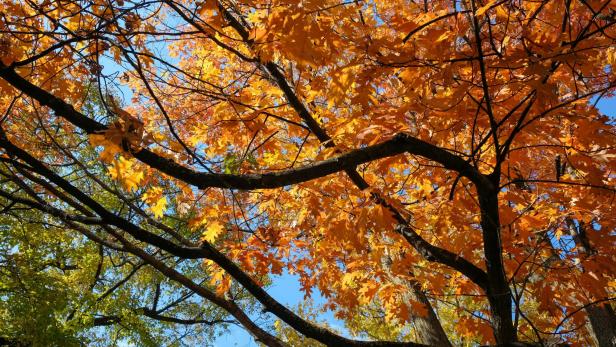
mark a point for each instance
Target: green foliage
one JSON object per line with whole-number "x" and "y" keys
{"x": 41, "y": 278}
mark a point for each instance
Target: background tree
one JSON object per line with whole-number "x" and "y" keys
{"x": 59, "y": 288}
{"x": 420, "y": 155}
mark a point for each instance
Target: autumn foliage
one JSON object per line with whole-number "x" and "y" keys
{"x": 441, "y": 162}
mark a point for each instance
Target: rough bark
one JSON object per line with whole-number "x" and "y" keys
{"x": 498, "y": 291}
{"x": 428, "y": 327}
{"x": 601, "y": 315}
{"x": 603, "y": 322}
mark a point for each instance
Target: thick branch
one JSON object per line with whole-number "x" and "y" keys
{"x": 402, "y": 143}
{"x": 206, "y": 251}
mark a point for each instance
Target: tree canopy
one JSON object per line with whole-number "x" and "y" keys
{"x": 437, "y": 170}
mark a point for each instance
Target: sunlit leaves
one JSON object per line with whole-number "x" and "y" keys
{"x": 156, "y": 200}
{"x": 126, "y": 173}
{"x": 218, "y": 96}
{"x": 213, "y": 230}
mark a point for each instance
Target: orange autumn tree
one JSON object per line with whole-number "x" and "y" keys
{"x": 431, "y": 158}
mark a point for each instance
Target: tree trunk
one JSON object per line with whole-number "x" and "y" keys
{"x": 603, "y": 323}
{"x": 428, "y": 327}
{"x": 498, "y": 291}
{"x": 601, "y": 316}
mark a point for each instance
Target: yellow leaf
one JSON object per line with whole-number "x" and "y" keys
{"x": 213, "y": 230}
{"x": 501, "y": 12}
{"x": 159, "y": 207}
{"x": 110, "y": 149}
{"x": 368, "y": 291}
{"x": 156, "y": 201}
{"x": 348, "y": 280}
{"x": 425, "y": 186}
{"x": 123, "y": 171}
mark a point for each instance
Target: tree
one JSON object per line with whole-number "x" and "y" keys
{"x": 440, "y": 157}
{"x": 57, "y": 286}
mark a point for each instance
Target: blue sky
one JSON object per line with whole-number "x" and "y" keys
{"x": 608, "y": 107}
{"x": 285, "y": 289}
